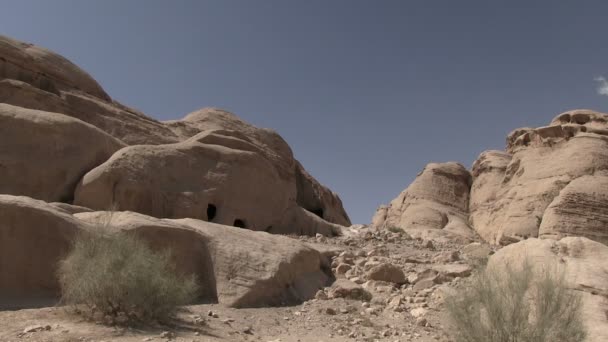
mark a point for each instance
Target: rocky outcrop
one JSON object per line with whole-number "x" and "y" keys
{"x": 218, "y": 175}
{"x": 317, "y": 199}
{"x": 550, "y": 182}
{"x": 488, "y": 173}
{"x": 235, "y": 267}
{"x": 36, "y": 78}
{"x": 44, "y": 69}
{"x": 580, "y": 209}
{"x": 435, "y": 204}
{"x": 44, "y": 155}
{"x": 509, "y": 203}
{"x": 583, "y": 263}
{"x": 210, "y": 165}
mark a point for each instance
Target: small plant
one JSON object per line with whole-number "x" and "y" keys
{"x": 395, "y": 229}
{"x": 118, "y": 275}
{"x": 524, "y": 305}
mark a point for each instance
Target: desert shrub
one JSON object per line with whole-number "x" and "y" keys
{"x": 504, "y": 304}
{"x": 395, "y": 229}
{"x": 118, "y": 275}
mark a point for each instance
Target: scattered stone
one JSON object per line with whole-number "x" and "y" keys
{"x": 35, "y": 328}
{"x": 418, "y": 312}
{"x": 330, "y": 311}
{"x": 167, "y": 334}
{"x": 424, "y": 284}
{"x": 421, "y": 321}
{"x": 387, "y": 272}
{"x": 476, "y": 250}
{"x": 321, "y": 295}
{"x": 343, "y": 288}
{"x": 342, "y": 268}
{"x": 447, "y": 256}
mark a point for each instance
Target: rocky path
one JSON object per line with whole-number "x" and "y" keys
{"x": 389, "y": 287}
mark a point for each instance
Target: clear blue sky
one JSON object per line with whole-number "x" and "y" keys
{"x": 365, "y": 92}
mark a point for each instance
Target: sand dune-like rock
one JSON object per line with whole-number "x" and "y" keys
{"x": 36, "y": 78}
{"x": 44, "y": 155}
{"x": 44, "y": 69}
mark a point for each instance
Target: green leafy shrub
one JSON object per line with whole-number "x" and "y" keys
{"x": 525, "y": 305}
{"x": 117, "y": 274}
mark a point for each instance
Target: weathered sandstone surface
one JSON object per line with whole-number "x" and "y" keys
{"x": 65, "y": 140}
{"x": 549, "y": 182}
{"x": 435, "y": 204}
{"x": 235, "y": 267}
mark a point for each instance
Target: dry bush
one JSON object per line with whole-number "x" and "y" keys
{"x": 395, "y": 229}
{"x": 525, "y": 304}
{"x": 117, "y": 275}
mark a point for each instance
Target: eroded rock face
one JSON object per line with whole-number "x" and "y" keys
{"x": 36, "y": 78}
{"x": 236, "y": 267}
{"x": 435, "y": 204}
{"x": 512, "y": 191}
{"x": 580, "y": 209}
{"x": 585, "y": 269}
{"x": 233, "y": 183}
{"x": 34, "y": 237}
{"x": 44, "y": 69}
{"x": 550, "y": 182}
{"x": 488, "y": 173}
{"x": 44, "y": 155}
{"x": 210, "y": 165}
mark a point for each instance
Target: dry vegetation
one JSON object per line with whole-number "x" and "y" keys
{"x": 506, "y": 304}
{"x": 117, "y": 275}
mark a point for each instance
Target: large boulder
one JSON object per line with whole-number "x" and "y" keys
{"x": 44, "y": 155}
{"x": 236, "y": 267}
{"x": 436, "y": 204}
{"x": 585, "y": 270}
{"x": 254, "y": 269}
{"x": 34, "y": 237}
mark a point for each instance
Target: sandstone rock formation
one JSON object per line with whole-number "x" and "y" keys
{"x": 543, "y": 162}
{"x": 580, "y": 209}
{"x": 583, "y": 263}
{"x": 550, "y": 182}
{"x": 28, "y": 225}
{"x": 36, "y": 78}
{"x": 44, "y": 155}
{"x": 435, "y": 204}
{"x": 235, "y": 267}
{"x": 210, "y": 165}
